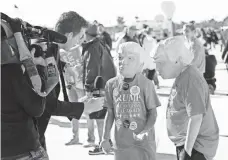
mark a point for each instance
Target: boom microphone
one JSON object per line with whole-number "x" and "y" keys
{"x": 43, "y": 32}
{"x": 54, "y": 36}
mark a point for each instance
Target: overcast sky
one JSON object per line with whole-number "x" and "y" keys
{"x": 46, "y": 12}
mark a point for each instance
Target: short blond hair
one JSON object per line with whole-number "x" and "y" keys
{"x": 174, "y": 49}
{"x": 134, "y": 49}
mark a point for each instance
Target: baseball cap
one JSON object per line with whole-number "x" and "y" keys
{"x": 173, "y": 49}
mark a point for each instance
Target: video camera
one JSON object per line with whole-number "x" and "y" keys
{"x": 41, "y": 34}
{"x": 44, "y": 41}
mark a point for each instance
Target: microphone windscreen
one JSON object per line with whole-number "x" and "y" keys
{"x": 54, "y": 36}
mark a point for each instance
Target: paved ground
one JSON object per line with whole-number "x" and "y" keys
{"x": 59, "y": 130}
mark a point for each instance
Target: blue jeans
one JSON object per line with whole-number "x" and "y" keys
{"x": 39, "y": 154}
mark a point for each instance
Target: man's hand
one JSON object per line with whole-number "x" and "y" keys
{"x": 93, "y": 105}
{"x": 184, "y": 155}
{"x": 15, "y": 24}
{"x": 140, "y": 136}
{"x": 38, "y": 60}
{"x": 86, "y": 98}
{"x": 106, "y": 146}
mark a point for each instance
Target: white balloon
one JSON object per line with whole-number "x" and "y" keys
{"x": 168, "y": 7}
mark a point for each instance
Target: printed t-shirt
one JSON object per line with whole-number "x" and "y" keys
{"x": 189, "y": 97}
{"x": 73, "y": 59}
{"x": 130, "y": 111}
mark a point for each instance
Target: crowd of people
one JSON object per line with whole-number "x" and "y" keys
{"x": 122, "y": 94}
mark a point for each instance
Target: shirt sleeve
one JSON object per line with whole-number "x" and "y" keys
{"x": 195, "y": 100}
{"x": 108, "y": 95}
{"x": 151, "y": 98}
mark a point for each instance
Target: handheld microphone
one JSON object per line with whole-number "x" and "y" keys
{"x": 98, "y": 85}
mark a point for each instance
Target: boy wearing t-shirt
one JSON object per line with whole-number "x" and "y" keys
{"x": 131, "y": 100}
{"x": 190, "y": 119}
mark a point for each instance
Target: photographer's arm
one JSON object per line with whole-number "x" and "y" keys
{"x": 25, "y": 55}
{"x": 72, "y": 109}
{"x": 32, "y": 103}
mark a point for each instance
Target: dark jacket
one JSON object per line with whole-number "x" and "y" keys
{"x": 107, "y": 39}
{"x": 97, "y": 62}
{"x": 19, "y": 107}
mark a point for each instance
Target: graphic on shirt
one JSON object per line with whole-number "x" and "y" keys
{"x": 170, "y": 108}
{"x": 133, "y": 126}
{"x": 127, "y": 105}
{"x": 135, "y": 90}
{"x": 74, "y": 68}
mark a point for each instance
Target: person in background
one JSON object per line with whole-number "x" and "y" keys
{"x": 95, "y": 22}
{"x": 209, "y": 74}
{"x": 73, "y": 26}
{"x": 129, "y": 36}
{"x": 195, "y": 47}
{"x": 105, "y": 36}
{"x": 73, "y": 79}
{"x": 190, "y": 119}
{"x": 148, "y": 43}
{"x": 97, "y": 62}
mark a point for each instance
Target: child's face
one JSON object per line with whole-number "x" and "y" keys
{"x": 128, "y": 64}
{"x": 167, "y": 69}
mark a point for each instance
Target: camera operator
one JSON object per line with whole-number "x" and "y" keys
{"x": 20, "y": 104}
{"x": 73, "y": 26}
